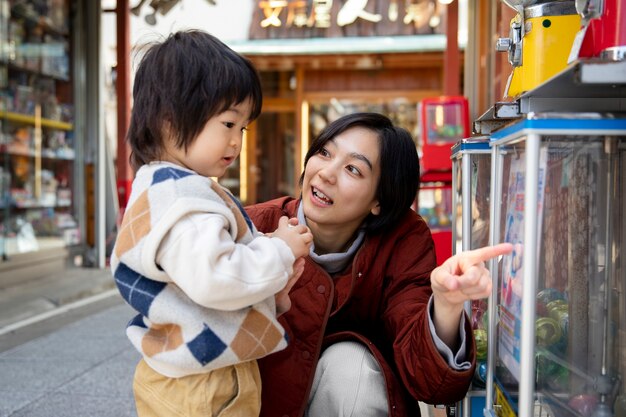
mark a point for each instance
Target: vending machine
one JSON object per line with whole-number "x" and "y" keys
{"x": 557, "y": 328}
{"x": 539, "y": 43}
{"x": 603, "y": 30}
{"x": 444, "y": 120}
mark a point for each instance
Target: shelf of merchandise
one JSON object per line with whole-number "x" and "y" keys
{"x": 589, "y": 85}
{"x": 32, "y": 120}
{"x": 45, "y": 154}
{"x": 36, "y": 56}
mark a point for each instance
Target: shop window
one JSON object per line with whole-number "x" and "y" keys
{"x": 37, "y": 142}
{"x": 402, "y": 112}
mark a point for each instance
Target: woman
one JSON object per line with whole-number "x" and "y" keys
{"x": 374, "y": 326}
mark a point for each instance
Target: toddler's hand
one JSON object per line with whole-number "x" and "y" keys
{"x": 297, "y": 236}
{"x": 283, "y": 302}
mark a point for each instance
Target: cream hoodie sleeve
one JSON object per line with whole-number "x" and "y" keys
{"x": 201, "y": 257}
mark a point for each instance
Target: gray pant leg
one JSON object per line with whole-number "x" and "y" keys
{"x": 347, "y": 383}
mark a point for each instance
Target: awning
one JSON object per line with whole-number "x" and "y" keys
{"x": 345, "y": 45}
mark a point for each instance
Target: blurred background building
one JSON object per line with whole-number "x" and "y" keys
{"x": 66, "y": 74}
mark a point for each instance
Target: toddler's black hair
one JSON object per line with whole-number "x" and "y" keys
{"x": 180, "y": 84}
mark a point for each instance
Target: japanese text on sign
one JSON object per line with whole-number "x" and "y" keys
{"x": 317, "y": 13}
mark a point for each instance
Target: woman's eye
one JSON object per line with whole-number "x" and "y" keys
{"x": 353, "y": 170}
{"x": 324, "y": 152}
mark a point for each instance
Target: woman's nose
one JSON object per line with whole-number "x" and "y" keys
{"x": 327, "y": 174}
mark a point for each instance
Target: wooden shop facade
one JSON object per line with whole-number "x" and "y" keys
{"x": 321, "y": 59}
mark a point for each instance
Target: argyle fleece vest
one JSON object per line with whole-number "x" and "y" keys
{"x": 176, "y": 336}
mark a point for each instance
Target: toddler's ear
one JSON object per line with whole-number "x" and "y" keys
{"x": 166, "y": 129}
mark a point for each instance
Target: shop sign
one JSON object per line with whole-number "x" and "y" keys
{"x": 334, "y": 18}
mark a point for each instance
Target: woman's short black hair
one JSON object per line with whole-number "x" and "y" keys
{"x": 180, "y": 84}
{"x": 399, "y": 165}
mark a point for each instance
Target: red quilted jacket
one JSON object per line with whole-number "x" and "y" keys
{"x": 381, "y": 300}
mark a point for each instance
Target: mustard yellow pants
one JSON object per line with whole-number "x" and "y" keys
{"x": 232, "y": 391}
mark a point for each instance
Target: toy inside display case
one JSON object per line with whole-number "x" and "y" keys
{"x": 559, "y": 330}
{"x": 471, "y": 182}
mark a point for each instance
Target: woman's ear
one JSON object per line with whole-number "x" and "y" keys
{"x": 375, "y": 209}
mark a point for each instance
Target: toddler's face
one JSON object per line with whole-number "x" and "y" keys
{"x": 218, "y": 144}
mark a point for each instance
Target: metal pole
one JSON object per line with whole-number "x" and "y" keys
{"x": 466, "y": 221}
{"x": 466, "y": 191}
{"x": 496, "y": 175}
{"x": 124, "y": 172}
{"x": 451, "y": 54}
{"x": 529, "y": 284}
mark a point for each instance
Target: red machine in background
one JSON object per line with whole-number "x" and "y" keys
{"x": 603, "y": 31}
{"x": 444, "y": 121}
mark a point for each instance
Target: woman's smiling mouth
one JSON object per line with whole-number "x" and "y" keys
{"x": 321, "y": 197}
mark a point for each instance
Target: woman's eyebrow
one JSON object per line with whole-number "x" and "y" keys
{"x": 363, "y": 158}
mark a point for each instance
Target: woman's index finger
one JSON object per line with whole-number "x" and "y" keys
{"x": 486, "y": 253}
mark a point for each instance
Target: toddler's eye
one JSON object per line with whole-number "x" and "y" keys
{"x": 229, "y": 125}
{"x": 244, "y": 129}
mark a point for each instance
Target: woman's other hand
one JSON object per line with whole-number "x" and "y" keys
{"x": 283, "y": 302}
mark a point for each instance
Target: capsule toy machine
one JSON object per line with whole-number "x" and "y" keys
{"x": 471, "y": 183}
{"x": 444, "y": 121}
{"x": 539, "y": 43}
{"x": 557, "y": 314}
{"x": 603, "y": 30}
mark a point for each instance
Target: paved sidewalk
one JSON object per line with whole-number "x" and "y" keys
{"x": 63, "y": 348}
{"x": 84, "y": 369}
{"x": 34, "y": 297}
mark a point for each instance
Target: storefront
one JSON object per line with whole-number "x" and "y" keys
{"x": 319, "y": 60}
{"x": 48, "y": 135}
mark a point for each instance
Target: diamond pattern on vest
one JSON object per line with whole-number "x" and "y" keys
{"x": 256, "y": 337}
{"x": 161, "y": 338}
{"x": 206, "y": 346}
{"x": 164, "y": 174}
{"x": 137, "y": 290}
{"x": 135, "y": 226}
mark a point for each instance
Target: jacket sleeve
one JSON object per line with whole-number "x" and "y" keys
{"x": 424, "y": 371}
{"x": 199, "y": 254}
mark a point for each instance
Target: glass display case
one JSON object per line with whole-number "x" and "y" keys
{"x": 559, "y": 330}
{"x": 37, "y": 146}
{"x": 471, "y": 182}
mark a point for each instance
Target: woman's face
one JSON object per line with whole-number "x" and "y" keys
{"x": 340, "y": 181}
